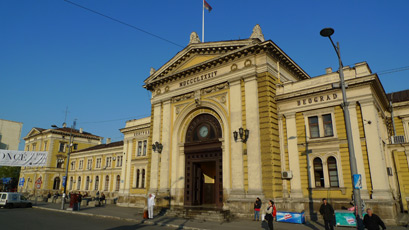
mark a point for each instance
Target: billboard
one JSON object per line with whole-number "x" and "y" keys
{"x": 22, "y": 158}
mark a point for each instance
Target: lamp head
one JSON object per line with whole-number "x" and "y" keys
{"x": 241, "y": 132}
{"x": 327, "y": 32}
{"x": 235, "y": 133}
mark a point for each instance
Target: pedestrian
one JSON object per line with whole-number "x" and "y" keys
{"x": 270, "y": 214}
{"x": 257, "y": 206}
{"x": 151, "y": 203}
{"x": 97, "y": 198}
{"x": 102, "y": 199}
{"x": 79, "y": 199}
{"x": 327, "y": 212}
{"x": 48, "y": 195}
{"x": 55, "y": 197}
{"x": 372, "y": 221}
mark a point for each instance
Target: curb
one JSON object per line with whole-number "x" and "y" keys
{"x": 147, "y": 222}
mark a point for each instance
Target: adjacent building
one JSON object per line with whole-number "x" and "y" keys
{"x": 10, "y": 132}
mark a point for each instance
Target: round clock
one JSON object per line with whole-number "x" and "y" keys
{"x": 203, "y": 131}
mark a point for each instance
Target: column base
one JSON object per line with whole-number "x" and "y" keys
{"x": 365, "y": 194}
{"x": 296, "y": 194}
{"x": 237, "y": 194}
{"x": 254, "y": 193}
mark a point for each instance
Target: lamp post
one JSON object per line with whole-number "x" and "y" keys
{"x": 327, "y": 32}
{"x": 67, "y": 164}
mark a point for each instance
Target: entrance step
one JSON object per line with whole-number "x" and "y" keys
{"x": 204, "y": 214}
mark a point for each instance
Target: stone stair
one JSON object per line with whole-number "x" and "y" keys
{"x": 199, "y": 213}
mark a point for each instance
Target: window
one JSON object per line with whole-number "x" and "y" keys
{"x": 75, "y": 146}
{"x": 89, "y": 164}
{"x": 62, "y": 147}
{"x": 34, "y": 147}
{"x": 27, "y": 148}
{"x": 87, "y": 183}
{"x": 98, "y": 165}
{"x": 139, "y": 148}
{"x": 314, "y": 128}
{"x": 60, "y": 162}
{"x": 318, "y": 173}
{"x": 45, "y": 145}
{"x": 118, "y": 182}
{"x": 96, "y": 183}
{"x": 137, "y": 178}
{"x": 71, "y": 182}
{"x": 143, "y": 179}
{"x": 108, "y": 162}
{"x": 79, "y": 183}
{"x": 119, "y": 161}
{"x": 56, "y": 184}
{"x": 72, "y": 165}
{"x": 81, "y": 164}
{"x": 144, "y": 147}
{"x": 327, "y": 120}
{"x": 106, "y": 183}
{"x": 333, "y": 172}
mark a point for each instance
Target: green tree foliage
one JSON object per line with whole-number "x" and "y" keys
{"x": 13, "y": 172}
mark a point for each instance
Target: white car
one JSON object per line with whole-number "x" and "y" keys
{"x": 13, "y": 199}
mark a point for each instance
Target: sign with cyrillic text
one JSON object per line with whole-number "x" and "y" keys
{"x": 22, "y": 158}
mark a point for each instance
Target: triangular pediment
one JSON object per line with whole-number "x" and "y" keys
{"x": 33, "y": 132}
{"x": 195, "y": 54}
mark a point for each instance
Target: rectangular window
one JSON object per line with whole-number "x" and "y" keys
{"x": 139, "y": 148}
{"x": 45, "y": 145}
{"x": 72, "y": 165}
{"x": 314, "y": 128}
{"x": 145, "y": 142}
{"x": 98, "y": 163}
{"x": 34, "y": 147}
{"x": 61, "y": 147}
{"x": 328, "y": 130}
{"x": 81, "y": 164}
{"x": 75, "y": 146}
{"x": 108, "y": 162}
{"x": 89, "y": 164}
{"x": 119, "y": 161}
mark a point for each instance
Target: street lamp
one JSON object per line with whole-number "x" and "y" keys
{"x": 67, "y": 164}
{"x": 327, "y": 32}
{"x": 157, "y": 146}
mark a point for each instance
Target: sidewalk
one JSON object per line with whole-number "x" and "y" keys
{"x": 135, "y": 215}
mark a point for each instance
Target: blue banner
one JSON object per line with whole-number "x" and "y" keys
{"x": 291, "y": 217}
{"x": 21, "y": 182}
{"x": 64, "y": 179}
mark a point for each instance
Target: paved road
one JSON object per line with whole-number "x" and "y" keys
{"x": 36, "y": 219}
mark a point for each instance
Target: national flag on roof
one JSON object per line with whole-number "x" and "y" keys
{"x": 207, "y": 6}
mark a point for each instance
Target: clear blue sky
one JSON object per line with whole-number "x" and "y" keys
{"x": 54, "y": 54}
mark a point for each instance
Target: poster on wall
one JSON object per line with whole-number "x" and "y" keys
{"x": 22, "y": 158}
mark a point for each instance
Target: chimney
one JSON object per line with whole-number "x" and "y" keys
{"x": 108, "y": 141}
{"x": 328, "y": 70}
{"x": 64, "y": 125}
{"x": 81, "y": 130}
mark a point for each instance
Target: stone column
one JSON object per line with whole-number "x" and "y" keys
{"x": 129, "y": 155}
{"x": 377, "y": 165}
{"x": 155, "y": 155}
{"x": 282, "y": 153}
{"x": 358, "y": 149}
{"x": 236, "y": 147}
{"x": 164, "y": 167}
{"x": 123, "y": 168}
{"x": 294, "y": 162}
{"x": 253, "y": 143}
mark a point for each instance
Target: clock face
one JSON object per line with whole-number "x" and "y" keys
{"x": 203, "y": 131}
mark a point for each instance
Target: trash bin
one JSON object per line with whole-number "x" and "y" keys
{"x": 145, "y": 214}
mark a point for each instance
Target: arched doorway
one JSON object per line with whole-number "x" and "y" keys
{"x": 56, "y": 184}
{"x": 203, "y": 162}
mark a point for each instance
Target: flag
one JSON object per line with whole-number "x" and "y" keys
{"x": 207, "y": 6}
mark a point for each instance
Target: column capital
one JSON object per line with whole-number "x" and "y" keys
{"x": 366, "y": 102}
{"x": 234, "y": 82}
{"x": 250, "y": 78}
{"x": 166, "y": 102}
{"x": 289, "y": 115}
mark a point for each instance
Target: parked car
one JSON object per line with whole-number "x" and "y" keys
{"x": 13, "y": 200}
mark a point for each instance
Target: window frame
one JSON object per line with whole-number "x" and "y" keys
{"x": 324, "y": 159}
{"x": 320, "y": 113}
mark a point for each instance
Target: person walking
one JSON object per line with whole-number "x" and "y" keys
{"x": 257, "y": 207}
{"x": 79, "y": 199}
{"x": 372, "y": 221}
{"x": 271, "y": 212}
{"x": 327, "y": 212}
{"x": 151, "y": 203}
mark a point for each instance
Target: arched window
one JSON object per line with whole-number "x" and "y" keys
{"x": 333, "y": 172}
{"x": 318, "y": 173}
{"x": 106, "y": 183}
{"x": 87, "y": 183}
{"x": 118, "y": 181}
{"x": 96, "y": 182}
{"x": 138, "y": 173}
{"x": 79, "y": 183}
{"x": 143, "y": 179}
{"x": 71, "y": 182}
{"x": 56, "y": 185}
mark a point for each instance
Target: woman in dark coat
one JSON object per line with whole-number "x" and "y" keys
{"x": 257, "y": 206}
{"x": 270, "y": 214}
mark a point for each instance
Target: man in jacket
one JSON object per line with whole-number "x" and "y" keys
{"x": 372, "y": 221}
{"x": 327, "y": 212}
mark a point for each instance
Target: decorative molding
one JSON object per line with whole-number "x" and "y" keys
{"x": 194, "y": 38}
{"x": 257, "y": 33}
{"x": 215, "y": 88}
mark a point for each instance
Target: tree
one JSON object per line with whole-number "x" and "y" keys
{"x": 13, "y": 172}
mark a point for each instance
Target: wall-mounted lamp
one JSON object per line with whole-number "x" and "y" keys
{"x": 243, "y": 134}
{"x": 157, "y": 147}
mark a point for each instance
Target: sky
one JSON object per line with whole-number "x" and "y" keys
{"x": 55, "y": 55}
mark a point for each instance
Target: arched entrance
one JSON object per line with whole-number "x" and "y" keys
{"x": 203, "y": 162}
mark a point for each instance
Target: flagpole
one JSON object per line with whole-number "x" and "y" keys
{"x": 203, "y": 22}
